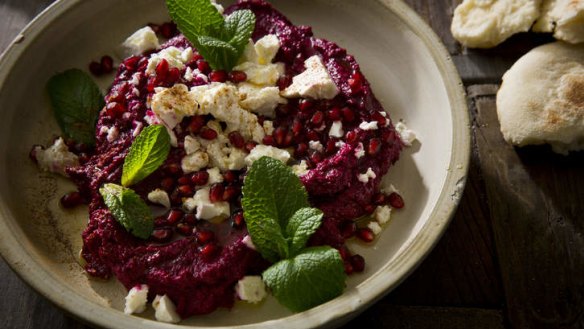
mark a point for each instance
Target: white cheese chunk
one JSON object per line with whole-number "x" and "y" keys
{"x": 136, "y": 299}
{"x": 365, "y": 177}
{"x": 262, "y": 75}
{"x": 214, "y": 176}
{"x": 194, "y": 161}
{"x": 316, "y": 145}
{"x": 268, "y": 127}
{"x": 269, "y": 151}
{"x": 336, "y": 129}
{"x": 359, "y": 151}
{"x": 389, "y": 189}
{"x": 56, "y": 158}
{"x": 172, "y": 55}
{"x": 407, "y": 136}
{"x": 205, "y": 209}
{"x": 374, "y": 227}
{"x": 171, "y": 105}
{"x": 382, "y": 214}
{"x": 315, "y": 82}
{"x": 300, "y": 169}
{"x": 266, "y": 48}
{"x": 251, "y": 289}
{"x": 260, "y": 100}
{"x": 368, "y": 125}
{"x": 191, "y": 144}
{"x": 225, "y": 157}
{"x": 165, "y": 310}
{"x": 142, "y": 40}
{"x": 160, "y": 197}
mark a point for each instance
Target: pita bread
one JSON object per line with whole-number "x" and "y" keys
{"x": 541, "y": 99}
{"x": 487, "y": 23}
{"x": 563, "y": 17}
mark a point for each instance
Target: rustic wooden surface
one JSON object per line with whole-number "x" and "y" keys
{"x": 513, "y": 256}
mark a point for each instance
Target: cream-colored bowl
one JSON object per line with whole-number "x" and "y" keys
{"x": 411, "y": 74}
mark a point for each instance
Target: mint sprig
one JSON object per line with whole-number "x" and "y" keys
{"x": 219, "y": 40}
{"x": 128, "y": 209}
{"x": 76, "y": 101}
{"x": 148, "y": 151}
{"x": 280, "y": 222}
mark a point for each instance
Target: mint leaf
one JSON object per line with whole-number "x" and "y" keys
{"x": 128, "y": 209}
{"x": 220, "y": 41}
{"x": 301, "y": 226}
{"x": 147, "y": 153}
{"x": 76, "y": 102}
{"x": 311, "y": 278}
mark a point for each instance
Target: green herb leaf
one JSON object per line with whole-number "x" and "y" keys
{"x": 301, "y": 226}
{"x": 76, "y": 102}
{"x": 148, "y": 151}
{"x": 311, "y": 278}
{"x": 128, "y": 209}
{"x": 220, "y": 41}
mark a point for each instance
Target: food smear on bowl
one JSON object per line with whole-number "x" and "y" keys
{"x": 290, "y": 96}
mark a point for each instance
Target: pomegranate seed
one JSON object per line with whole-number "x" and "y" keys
{"x": 317, "y": 118}
{"x": 162, "y": 69}
{"x": 348, "y": 267}
{"x": 230, "y": 193}
{"x": 95, "y": 68}
{"x": 305, "y": 105}
{"x": 288, "y": 139}
{"x": 388, "y": 136}
{"x": 208, "y": 133}
{"x": 312, "y": 135}
{"x": 208, "y": 251}
{"x": 167, "y": 184}
{"x": 131, "y": 63}
{"x": 174, "y": 216}
{"x": 348, "y": 229}
{"x": 184, "y": 180}
{"x": 334, "y": 114}
{"x": 345, "y": 253}
{"x": 203, "y": 66}
{"x": 238, "y": 219}
{"x": 365, "y": 234}
{"x": 369, "y": 208}
{"x": 396, "y": 201}
{"x": 358, "y": 263}
{"x": 161, "y": 235}
{"x": 107, "y": 64}
{"x": 114, "y": 110}
{"x": 379, "y": 199}
{"x": 236, "y": 139}
{"x": 200, "y": 178}
{"x": 280, "y": 135}
{"x": 237, "y": 76}
{"x": 283, "y": 82}
{"x": 374, "y": 146}
{"x": 297, "y": 128}
{"x": 154, "y": 27}
{"x": 184, "y": 229}
{"x": 316, "y": 158}
{"x": 72, "y": 200}
{"x": 268, "y": 140}
{"x": 381, "y": 120}
{"x": 300, "y": 150}
{"x": 216, "y": 192}
{"x": 175, "y": 197}
{"x": 348, "y": 114}
{"x": 185, "y": 190}
{"x": 204, "y": 236}
{"x": 197, "y": 122}
{"x": 168, "y": 30}
{"x": 218, "y": 76}
{"x": 230, "y": 177}
{"x": 160, "y": 221}
{"x": 190, "y": 219}
{"x": 331, "y": 146}
{"x": 352, "y": 137}
{"x": 251, "y": 145}
{"x": 173, "y": 168}
{"x": 356, "y": 82}
{"x": 173, "y": 75}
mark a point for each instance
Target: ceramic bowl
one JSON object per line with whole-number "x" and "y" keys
{"x": 409, "y": 69}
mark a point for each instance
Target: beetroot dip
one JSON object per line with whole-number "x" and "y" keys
{"x": 197, "y": 263}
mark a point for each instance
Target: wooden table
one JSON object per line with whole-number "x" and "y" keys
{"x": 513, "y": 256}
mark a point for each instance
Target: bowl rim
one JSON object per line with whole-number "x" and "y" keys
{"x": 332, "y": 313}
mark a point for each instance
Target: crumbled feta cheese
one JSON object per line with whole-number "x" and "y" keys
{"x": 315, "y": 145}
{"x": 266, "y": 48}
{"x": 142, "y": 40}
{"x": 191, "y": 144}
{"x": 165, "y": 310}
{"x": 260, "y": 100}
{"x": 213, "y": 212}
{"x": 336, "y": 129}
{"x": 268, "y": 127}
{"x": 407, "y": 136}
{"x": 136, "y": 299}
{"x": 383, "y": 113}
{"x": 389, "y": 189}
{"x": 262, "y": 75}
{"x": 374, "y": 227}
{"x": 225, "y": 157}
{"x": 186, "y": 55}
{"x": 315, "y": 82}
{"x": 189, "y": 76}
{"x": 136, "y": 79}
{"x": 56, "y": 158}
{"x": 251, "y": 289}
{"x": 248, "y": 242}
{"x": 214, "y": 176}
{"x": 359, "y": 151}
{"x": 137, "y": 128}
{"x": 368, "y": 125}
{"x": 300, "y": 169}
{"x": 171, "y": 105}
{"x": 172, "y": 55}
{"x": 269, "y": 151}
{"x": 194, "y": 162}
{"x": 222, "y": 101}
{"x": 340, "y": 144}
{"x": 382, "y": 214}
{"x": 112, "y": 134}
{"x": 160, "y": 197}
{"x": 369, "y": 174}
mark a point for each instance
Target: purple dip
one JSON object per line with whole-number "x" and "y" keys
{"x": 197, "y": 263}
